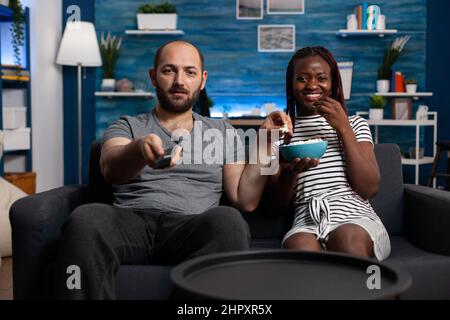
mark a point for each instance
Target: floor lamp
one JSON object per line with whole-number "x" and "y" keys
{"x": 79, "y": 47}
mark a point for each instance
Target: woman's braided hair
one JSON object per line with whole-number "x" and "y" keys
{"x": 336, "y": 83}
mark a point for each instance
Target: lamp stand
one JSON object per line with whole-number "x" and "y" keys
{"x": 80, "y": 136}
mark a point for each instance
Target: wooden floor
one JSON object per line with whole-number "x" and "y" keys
{"x": 6, "y": 289}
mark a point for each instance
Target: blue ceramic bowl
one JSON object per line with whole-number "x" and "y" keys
{"x": 308, "y": 150}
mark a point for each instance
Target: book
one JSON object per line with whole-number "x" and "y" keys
{"x": 399, "y": 82}
{"x": 358, "y": 13}
{"x": 364, "y": 15}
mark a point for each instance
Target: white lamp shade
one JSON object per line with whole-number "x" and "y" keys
{"x": 79, "y": 45}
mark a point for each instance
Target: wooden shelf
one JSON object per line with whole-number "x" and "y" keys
{"x": 415, "y": 95}
{"x": 246, "y": 122}
{"x": 424, "y": 160}
{"x": 392, "y": 122}
{"x": 124, "y": 94}
{"x": 154, "y": 32}
{"x": 381, "y": 33}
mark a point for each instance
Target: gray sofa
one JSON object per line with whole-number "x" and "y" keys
{"x": 416, "y": 217}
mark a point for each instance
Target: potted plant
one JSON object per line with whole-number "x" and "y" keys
{"x": 17, "y": 29}
{"x": 391, "y": 54}
{"x": 377, "y": 104}
{"x": 411, "y": 85}
{"x": 161, "y": 16}
{"x": 109, "y": 49}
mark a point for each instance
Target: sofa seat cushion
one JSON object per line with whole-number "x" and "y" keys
{"x": 430, "y": 272}
{"x": 143, "y": 282}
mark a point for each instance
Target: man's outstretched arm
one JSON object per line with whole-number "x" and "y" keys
{"x": 123, "y": 159}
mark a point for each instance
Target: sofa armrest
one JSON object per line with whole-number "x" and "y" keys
{"x": 427, "y": 218}
{"x": 36, "y": 223}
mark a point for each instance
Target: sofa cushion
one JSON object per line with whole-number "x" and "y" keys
{"x": 430, "y": 272}
{"x": 143, "y": 282}
{"x": 388, "y": 203}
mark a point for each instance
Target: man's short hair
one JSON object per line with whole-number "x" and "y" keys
{"x": 160, "y": 49}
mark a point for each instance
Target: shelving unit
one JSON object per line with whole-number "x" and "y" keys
{"x": 154, "y": 32}
{"x": 22, "y": 149}
{"x": 431, "y": 121}
{"x": 380, "y": 33}
{"x": 114, "y": 94}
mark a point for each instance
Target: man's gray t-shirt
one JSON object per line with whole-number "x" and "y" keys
{"x": 191, "y": 187}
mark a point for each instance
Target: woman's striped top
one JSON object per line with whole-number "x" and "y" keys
{"x": 329, "y": 179}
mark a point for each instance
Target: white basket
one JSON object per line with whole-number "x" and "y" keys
{"x": 18, "y": 139}
{"x": 14, "y": 117}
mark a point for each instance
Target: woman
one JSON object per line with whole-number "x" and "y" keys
{"x": 330, "y": 195}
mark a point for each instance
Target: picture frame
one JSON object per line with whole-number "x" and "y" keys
{"x": 276, "y": 38}
{"x": 285, "y": 6}
{"x": 401, "y": 109}
{"x": 249, "y": 9}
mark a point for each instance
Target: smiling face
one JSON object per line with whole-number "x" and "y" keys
{"x": 179, "y": 77}
{"x": 312, "y": 82}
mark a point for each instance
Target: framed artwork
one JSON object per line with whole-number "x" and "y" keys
{"x": 401, "y": 109}
{"x": 285, "y": 6}
{"x": 249, "y": 9}
{"x": 276, "y": 38}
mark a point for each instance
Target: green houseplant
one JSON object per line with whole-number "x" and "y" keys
{"x": 159, "y": 16}
{"x": 391, "y": 55}
{"x": 377, "y": 104}
{"x": 17, "y": 29}
{"x": 109, "y": 49}
{"x": 165, "y": 7}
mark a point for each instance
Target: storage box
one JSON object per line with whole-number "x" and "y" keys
{"x": 14, "y": 117}
{"x": 25, "y": 181}
{"x": 18, "y": 139}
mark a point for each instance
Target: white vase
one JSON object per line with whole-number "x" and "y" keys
{"x": 381, "y": 22}
{"x": 352, "y": 22}
{"x": 383, "y": 86}
{"x": 108, "y": 85}
{"x": 376, "y": 114}
{"x": 411, "y": 88}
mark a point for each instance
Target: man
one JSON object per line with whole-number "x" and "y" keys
{"x": 162, "y": 215}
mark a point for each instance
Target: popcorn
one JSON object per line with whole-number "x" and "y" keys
{"x": 316, "y": 140}
{"x": 284, "y": 128}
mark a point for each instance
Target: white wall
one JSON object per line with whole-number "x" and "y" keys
{"x": 47, "y": 93}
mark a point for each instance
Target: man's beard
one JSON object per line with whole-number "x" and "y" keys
{"x": 178, "y": 106}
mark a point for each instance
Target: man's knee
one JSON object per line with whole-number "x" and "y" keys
{"x": 226, "y": 226}
{"x": 85, "y": 222}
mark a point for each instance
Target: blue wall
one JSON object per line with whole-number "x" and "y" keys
{"x": 239, "y": 76}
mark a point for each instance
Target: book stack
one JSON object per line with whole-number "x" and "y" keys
{"x": 14, "y": 73}
{"x": 398, "y": 82}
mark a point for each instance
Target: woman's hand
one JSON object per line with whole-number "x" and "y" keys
{"x": 278, "y": 120}
{"x": 298, "y": 165}
{"x": 334, "y": 113}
